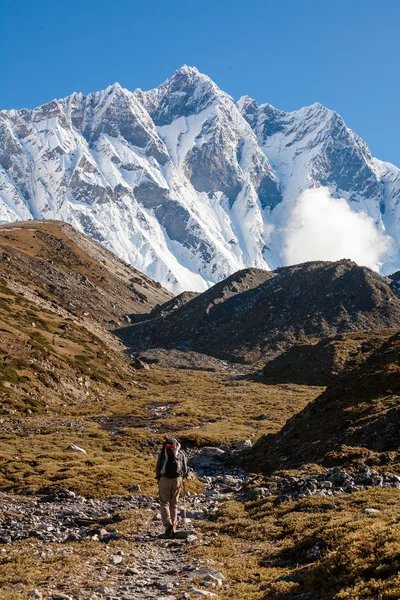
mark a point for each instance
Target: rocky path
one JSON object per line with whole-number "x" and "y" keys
{"x": 125, "y": 566}
{"x": 118, "y": 542}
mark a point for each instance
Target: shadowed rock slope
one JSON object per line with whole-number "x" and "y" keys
{"x": 361, "y": 411}
{"x": 256, "y": 314}
{"x": 323, "y": 362}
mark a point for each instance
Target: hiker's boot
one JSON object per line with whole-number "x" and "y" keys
{"x": 169, "y": 531}
{"x": 173, "y": 532}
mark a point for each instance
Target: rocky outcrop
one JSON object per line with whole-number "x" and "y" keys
{"x": 323, "y": 362}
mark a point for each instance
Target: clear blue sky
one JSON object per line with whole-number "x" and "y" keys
{"x": 344, "y": 54}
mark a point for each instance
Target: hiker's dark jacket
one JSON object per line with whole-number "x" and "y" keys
{"x": 162, "y": 460}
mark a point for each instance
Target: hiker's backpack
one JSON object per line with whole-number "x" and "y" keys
{"x": 173, "y": 462}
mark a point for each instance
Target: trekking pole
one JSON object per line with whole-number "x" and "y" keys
{"x": 184, "y": 505}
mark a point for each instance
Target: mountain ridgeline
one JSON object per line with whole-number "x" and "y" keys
{"x": 255, "y": 315}
{"x": 183, "y": 182}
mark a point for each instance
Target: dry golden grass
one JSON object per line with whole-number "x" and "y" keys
{"x": 265, "y": 549}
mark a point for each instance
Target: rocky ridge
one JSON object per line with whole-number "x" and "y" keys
{"x": 62, "y": 266}
{"x": 257, "y": 314}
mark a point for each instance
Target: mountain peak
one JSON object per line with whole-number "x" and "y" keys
{"x": 188, "y": 77}
{"x": 189, "y": 71}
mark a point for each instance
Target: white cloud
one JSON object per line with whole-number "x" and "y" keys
{"x": 324, "y": 228}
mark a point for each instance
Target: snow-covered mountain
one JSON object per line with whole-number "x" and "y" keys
{"x": 182, "y": 182}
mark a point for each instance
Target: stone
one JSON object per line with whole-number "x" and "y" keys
{"x": 137, "y": 363}
{"x": 103, "y": 591}
{"x": 206, "y": 573}
{"x": 110, "y": 537}
{"x": 326, "y": 485}
{"x": 75, "y": 448}
{"x": 72, "y": 537}
{"x": 135, "y": 488}
{"x": 61, "y": 597}
{"x": 212, "y": 451}
{"x": 115, "y": 560}
{"x": 257, "y": 493}
{"x": 166, "y": 587}
{"x": 371, "y": 511}
{"x": 194, "y": 590}
{"x": 243, "y": 445}
{"x": 35, "y": 593}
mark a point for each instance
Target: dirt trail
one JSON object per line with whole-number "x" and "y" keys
{"x": 117, "y": 542}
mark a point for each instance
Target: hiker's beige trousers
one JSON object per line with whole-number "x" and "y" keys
{"x": 169, "y": 493}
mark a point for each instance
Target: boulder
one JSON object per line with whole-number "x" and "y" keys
{"x": 212, "y": 451}
{"x": 243, "y": 445}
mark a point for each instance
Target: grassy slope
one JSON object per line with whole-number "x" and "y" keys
{"x": 357, "y": 417}
{"x": 266, "y": 549}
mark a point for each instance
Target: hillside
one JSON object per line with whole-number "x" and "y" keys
{"x": 323, "y": 362}
{"x": 256, "y": 315}
{"x": 359, "y": 412}
{"x": 51, "y": 262}
{"x": 60, "y": 294}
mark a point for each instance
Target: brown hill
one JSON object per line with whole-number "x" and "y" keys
{"x": 321, "y": 363}
{"x": 361, "y": 410}
{"x": 53, "y": 261}
{"x": 60, "y": 293}
{"x": 256, "y": 314}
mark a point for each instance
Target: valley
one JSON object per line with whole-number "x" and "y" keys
{"x": 307, "y": 508}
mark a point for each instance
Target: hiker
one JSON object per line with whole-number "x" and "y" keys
{"x": 170, "y": 470}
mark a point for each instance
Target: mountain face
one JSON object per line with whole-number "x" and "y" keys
{"x": 257, "y": 314}
{"x": 182, "y": 182}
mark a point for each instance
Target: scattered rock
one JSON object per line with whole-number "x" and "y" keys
{"x": 207, "y": 574}
{"x": 135, "y": 488}
{"x": 140, "y": 364}
{"x": 243, "y": 445}
{"x": 194, "y": 590}
{"x": 212, "y": 451}
{"x": 75, "y": 448}
{"x": 119, "y": 386}
{"x": 35, "y": 593}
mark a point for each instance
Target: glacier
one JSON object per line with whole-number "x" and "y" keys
{"x": 183, "y": 182}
